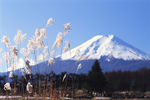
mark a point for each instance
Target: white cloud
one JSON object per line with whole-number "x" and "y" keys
{"x": 20, "y": 64}
{"x": 17, "y": 65}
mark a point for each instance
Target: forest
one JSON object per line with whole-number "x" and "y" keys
{"x": 94, "y": 82}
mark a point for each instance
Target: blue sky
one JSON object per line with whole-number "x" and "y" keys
{"x": 126, "y": 19}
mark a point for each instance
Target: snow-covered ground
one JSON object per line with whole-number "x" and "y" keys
{"x": 30, "y": 97}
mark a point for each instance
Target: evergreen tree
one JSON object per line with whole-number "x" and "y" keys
{"x": 96, "y": 79}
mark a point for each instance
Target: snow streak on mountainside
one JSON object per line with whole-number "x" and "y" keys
{"x": 109, "y": 46}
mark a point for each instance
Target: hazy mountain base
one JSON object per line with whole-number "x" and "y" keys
{"x": 70, "y": 66}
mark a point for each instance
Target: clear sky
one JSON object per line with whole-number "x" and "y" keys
{"x": 126, "y": 19}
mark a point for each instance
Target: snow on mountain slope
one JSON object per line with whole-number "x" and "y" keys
{"x": 112, "y": 53}
{"x": 110, "y": 46}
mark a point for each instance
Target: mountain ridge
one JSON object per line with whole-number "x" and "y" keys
{"x": 107, "y": 46}
{"x": 113, "y": 54}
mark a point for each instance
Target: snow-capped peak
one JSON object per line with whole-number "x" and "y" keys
{"x": 109, "y": 46}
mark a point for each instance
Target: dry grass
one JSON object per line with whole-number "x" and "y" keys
{"x": 14, "y": 51}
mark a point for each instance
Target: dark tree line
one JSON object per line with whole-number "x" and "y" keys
{"x": 128, "y": 80}
{"x": 95, "y": 81}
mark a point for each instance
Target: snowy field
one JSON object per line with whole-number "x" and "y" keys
{"x": 65, "y": 98}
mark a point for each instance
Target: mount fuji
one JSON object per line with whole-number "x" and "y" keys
{"x": 113, "y": 54}
{"x": 109, "y": 46}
